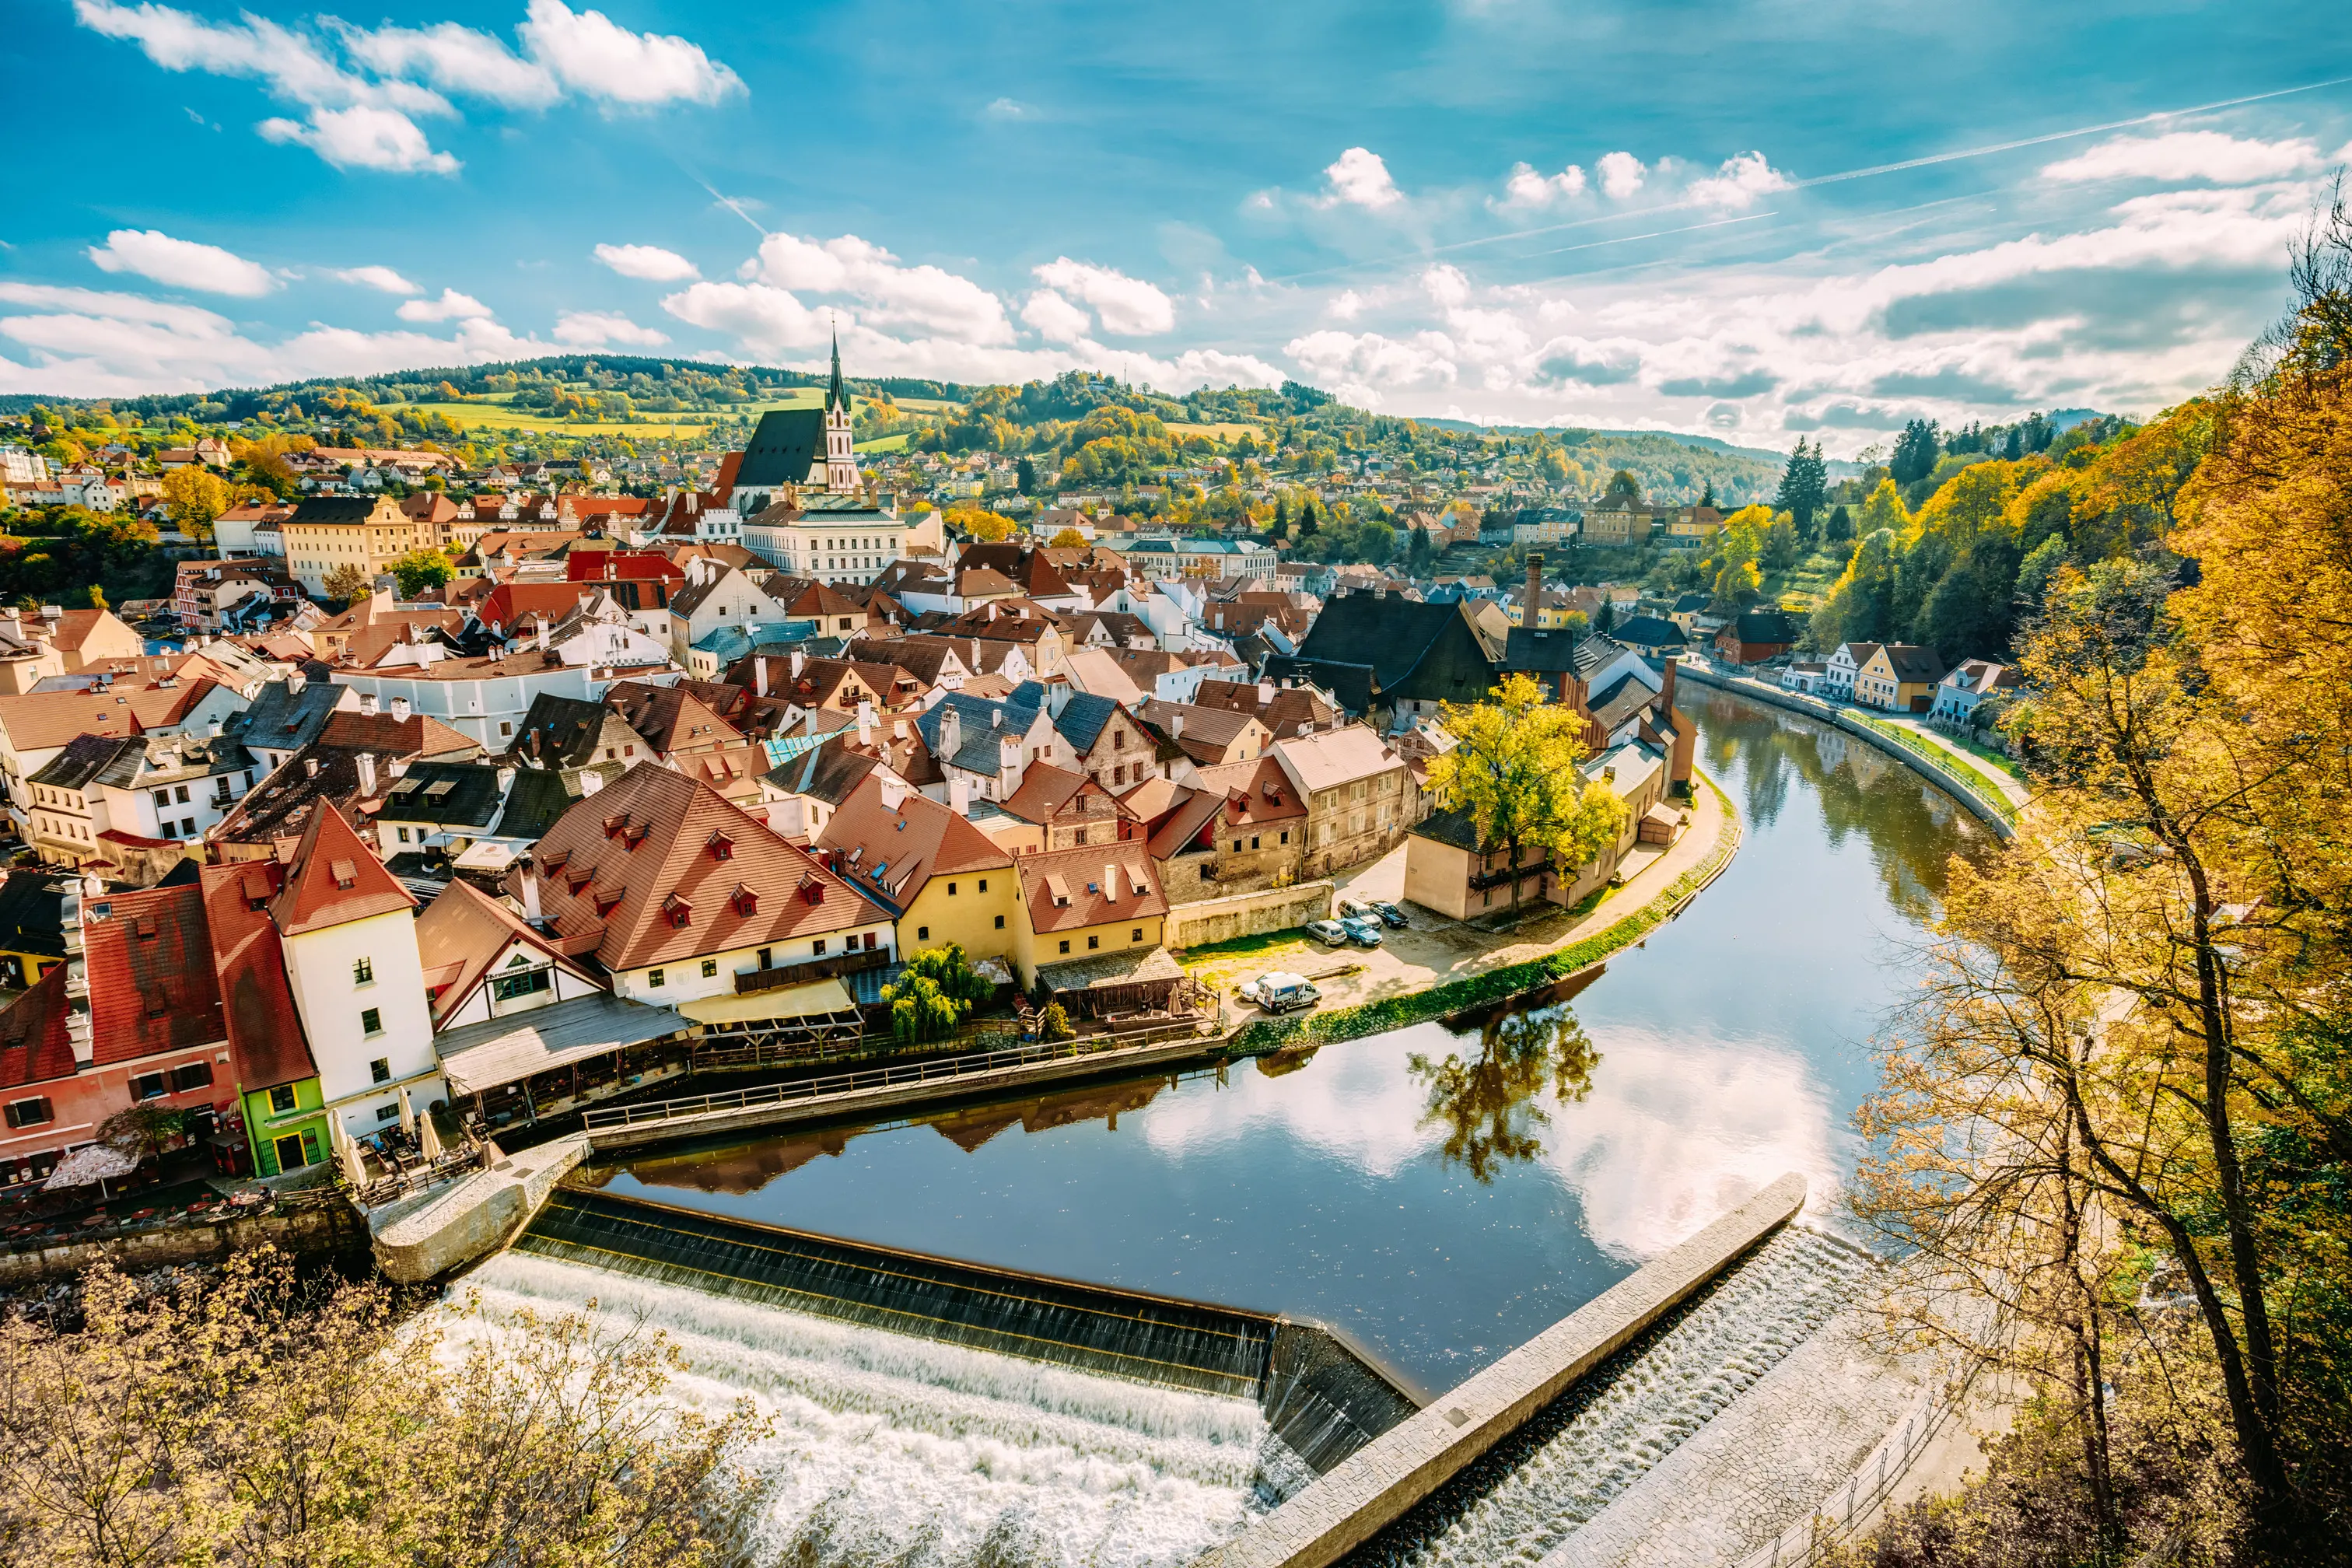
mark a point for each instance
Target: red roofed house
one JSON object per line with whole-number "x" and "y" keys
{"x": 324, "y": 989}
{"x": 147, "y": 1028}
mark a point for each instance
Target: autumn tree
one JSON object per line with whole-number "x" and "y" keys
{"x": 1067, "y": 539}
{"x": 1513, "y": 773}
{"x": 988, "y": 527}
{"x": 421, "y": 571}
{"x": 347, "y": 582}
{"x": 194, "y": 497}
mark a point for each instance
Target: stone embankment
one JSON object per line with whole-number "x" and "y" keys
{"x": 310, "y": 1228}
{"x": 1996, "y": 812}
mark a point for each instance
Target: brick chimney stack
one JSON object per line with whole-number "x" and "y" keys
{"x": 1532, "y": 617}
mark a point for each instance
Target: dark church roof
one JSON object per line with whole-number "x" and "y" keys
{"x": 1369, "y": 648}
{"x": 782, "y": 448}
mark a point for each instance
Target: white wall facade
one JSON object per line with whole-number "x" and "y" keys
{"x": 322, "y": 966}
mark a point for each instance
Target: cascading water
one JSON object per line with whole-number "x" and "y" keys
{"x": 1561, "y": 1468}
{"x": 891, "y": 1449}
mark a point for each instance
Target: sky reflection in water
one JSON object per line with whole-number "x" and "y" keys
{"x": 1727, "y": 1049}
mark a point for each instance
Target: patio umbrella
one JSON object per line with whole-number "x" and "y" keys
{"x": 352, "y": 1167}
{"x": 427, "y": 1140}
{"x": 91, "y": 1163}
{"x": 408, "y": 1112}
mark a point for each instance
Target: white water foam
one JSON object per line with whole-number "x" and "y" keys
{"x": 1568, "y": 1463}
{"x": 890, "y": 1450}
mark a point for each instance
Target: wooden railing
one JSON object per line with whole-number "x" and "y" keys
{"x": 800, "y": 973}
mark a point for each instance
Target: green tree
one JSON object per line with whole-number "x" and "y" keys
{"x": 1513, "y": 772}
{"x": 1624, "y": 483}
{"x": 421, "y": 571}
{"x": 1804, "y": 486}
{"x": 1840, "y": 525}
{"x": 1915, "y": 451}
{"x": 347, "y": 582}
{"x": 935, "y": 993}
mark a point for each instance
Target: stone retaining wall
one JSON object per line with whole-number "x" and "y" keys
{"x": 308, "y": 1233}
{"x": 1246, "y": 914}
{"x": 1993, "y": 814}
{"x": 1380, "y": 1481}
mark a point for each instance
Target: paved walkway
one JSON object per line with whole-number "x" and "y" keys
{"x": 2007, "y": 783}
{"x": 1436, "y": 950}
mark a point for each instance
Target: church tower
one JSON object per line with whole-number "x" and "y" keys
{"x": 840, "y": 461}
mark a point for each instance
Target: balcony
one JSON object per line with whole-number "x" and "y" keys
{"x": 828, "y": 968}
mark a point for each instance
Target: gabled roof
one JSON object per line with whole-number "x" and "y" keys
{"x": 1368, "y": 647}
{"x": 1765, "y": 627}
{"x": 282, "y": 719}
{"x": 36, "y": 1047}
{"x": 981, "y": 725}
{"x": 333, "y": 879}
{"x": 668, "y": 718}
{"x": 461, "y": 934}
{"x": 892, "y": 855}
{"x": 1335, "y": 757}
{"x": 1082, "y": 718}
{"x": 830, "y": 773}
{"x": 783, "y": 446}
{"x": 265, "y": 1029}
{"x": 570, "y": 732}
{"x": 1064, "y": 889}
{"x": 148, "y": 956}
{"x": 1046, "y": 793}
{"x": 1912, "y": 663}
{"x": 32, "y": 915}
{"x": 1649, "y": 631}
{"x": 658, "y": 867}
{"x": 82, "y": 760}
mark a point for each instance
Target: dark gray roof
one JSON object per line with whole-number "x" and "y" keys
{"x": 1539, "y": 651}
{"x": 1082, "y": 719}
{"x": 448, "y": 795}
{"x": 977, "y": 751}
{"x": 533, "y": 803}
{"x": 1765, "y": 627}
{"x": 1914, "y": 663}
{"x": 561, "y": 731}
{"x": 334, "y": 509}
{"x": 1365, "y": 647}
{"x": 1455, "y": 827}
{"x": 827, "y": 773}
{"x": 83, "y": 759}
{"x": 32, "y": 914}
{"x": 1648, "y": 632}
{"x": 280, "y": 719}
{"x": 782, "y": 448}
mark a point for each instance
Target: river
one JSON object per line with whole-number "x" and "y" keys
{"x": 1441, "y": 1196}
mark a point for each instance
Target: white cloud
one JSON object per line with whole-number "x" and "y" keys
{"x": 593, "y": 56}
{"x": 451, "y": 307}
{"x": 359, "y": 106}
{"x": 1359, "y": 178}
{"x": 1128, "y": 307}
{"x": 362, "y": 137}
{"x": 88, "y": 343}
{"x": 763, "y": 319}
{"x": 181, "y": 263}
{"x": 1446, "y": 284}
{"x": 1056, "y": 319}
{"x": 2187, "y": 155}
{"x": 1008, "y": 109}
{"x": 1743, "y": 177}
{"x": 894, "y": 295}
{"x": 1345, "y": 306}
{"x": 1372, "y": 360}
{"x": 382, "y": 277}
{"x": 1620, "y": 174}
{"x": 1525, "y": 188}
{"x": 596, "y": 329}
{"x": 650, "y": 262}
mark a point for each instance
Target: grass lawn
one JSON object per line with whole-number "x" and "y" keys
{"x": 1946, "y": 760}
{"x": 886, "y": 444}
{"x": 1221, "y": 962}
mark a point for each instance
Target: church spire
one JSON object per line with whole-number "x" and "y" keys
{"x": 834, "y": 395}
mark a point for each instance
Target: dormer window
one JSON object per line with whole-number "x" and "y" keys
{"x": 813, "y": 890}
{"x": 747, "y": 902}
{"x": 607, "y": 901}
{"x": 721, "y": 846}
{"x": 677, "y": 912}
{"x": 617, "y": 824}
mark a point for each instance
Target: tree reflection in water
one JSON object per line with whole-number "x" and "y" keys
{"x": 1486, "y": 1103}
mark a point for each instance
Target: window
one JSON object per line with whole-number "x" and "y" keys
{"x": 923, "y": 933}
{"x": 181, "y": 794}
{"x": 1093, "y": 942}
{"x": 528, "y": 982}
{"x": 1000, "y": 923}
{"x": 1065, "y": 945}
{"x": 162, "y": 797}
{"x": 767, "y": 958}
{"x": 404, "y": 834}
{"x": 380, "y": 1069}
{"x": 983, "y": 887}
{"x": 817, "y": 947}
{"x": 951, "y": 890}
{"x": 386, "y": 1113}
{"x": 371, "y": 1020}
{"x": 506, "y": 727}
{"x": 710, "y": 968}
{"x": 1135, "y": 935}
{"x": 363, "y": 969}
{"x": 30, "y": 1112}
{"x": 281, "y": 1098}
{"x": 149, "y": 1086}
{"x": 652, "y": 978}
{"x": 194, "y": 1075}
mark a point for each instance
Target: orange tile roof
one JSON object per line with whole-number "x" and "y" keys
{"x": 265, "y": 1030}
{"x": 460, "y": 936}
{"x": 1064, "y": 889}
{"x": 149, "y": 965}
{"x": 919, "y": 840}
{"x": 35, "y": 1044}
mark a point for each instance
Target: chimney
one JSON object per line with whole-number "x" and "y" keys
{"x": 866, "y": 724}
{"x": 366, "y": 761}
{"x": 1266, "y": 693}
{"x": 759, "y": 673}
{"x": 400, "y": 709}
{"x": 894, "y": 793}
{"x": 1175, "y": 726}
{"x": 530, "y": 894}
{"x": 1111, "y": 884}
{"x": 309, "y": 767}
{"x": 951, "y": 733}
{"x": 960, "y": 796}
{"x": 1666, "y": 692}
{"x": 506, "y": 780}
{"x": 800, "y": 661}
{"x": 1533, "y": 618}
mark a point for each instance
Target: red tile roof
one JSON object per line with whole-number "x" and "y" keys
{"x": 265, "y": 1031}
{"x": 919, "y": 840}
{"x": 621, "y": 862}
{"x": 35, "y": 1047}
{"x": 333, "y": 879}
{"x": 150, "y": 962}
{"x": 1064, "y": 889}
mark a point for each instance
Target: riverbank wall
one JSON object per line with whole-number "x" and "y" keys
{"x": 1374, "y": 1487}
{"x": 313, "y": 1230}
{"x": 1994, "y": 814}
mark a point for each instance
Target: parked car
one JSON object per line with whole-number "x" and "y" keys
{"x": 1354, "y": 908}
{"x": 1390, "y": 914}
{"x": 1330, "y": 933}
{"x": 1362, "y": 932}
{"x": 1278, "y": 992}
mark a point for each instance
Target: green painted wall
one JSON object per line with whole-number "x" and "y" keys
{"x": 264, "y": 1126}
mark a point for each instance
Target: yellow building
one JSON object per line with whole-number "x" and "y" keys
{"x": 941, "y": 876}
{"x": 1102, "y": 899}
{"x": 333, "y": 531}
{"x": 1899, "y": 676}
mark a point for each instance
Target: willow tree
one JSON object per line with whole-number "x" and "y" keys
{"x": 1513, "y": 772}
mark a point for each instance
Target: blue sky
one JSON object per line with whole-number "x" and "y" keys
{"x": 1611, "y": 214}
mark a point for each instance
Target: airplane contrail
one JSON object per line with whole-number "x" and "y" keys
{"x": 1954, "y": 156}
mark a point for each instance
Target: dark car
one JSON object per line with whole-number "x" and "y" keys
{"x": 1391, "y": 916}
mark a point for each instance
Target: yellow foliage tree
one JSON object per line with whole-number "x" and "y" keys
{"x": 195, "y": 497}
{"x": 988, "y": 527}
{"x": 1513, "y": 771}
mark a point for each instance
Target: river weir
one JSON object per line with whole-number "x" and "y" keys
{"x": 991, "y": 1334}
